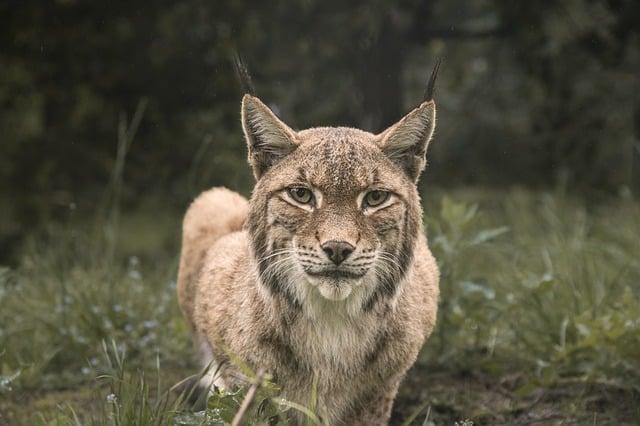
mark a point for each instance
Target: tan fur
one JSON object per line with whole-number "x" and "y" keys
{"x": 213, "y": 214}
{"x": 268, "y": 295}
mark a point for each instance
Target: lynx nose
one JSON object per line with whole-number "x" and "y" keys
{"x": 337, "y": 251}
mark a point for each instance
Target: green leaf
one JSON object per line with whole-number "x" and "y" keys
{"x": 488, "y": 235}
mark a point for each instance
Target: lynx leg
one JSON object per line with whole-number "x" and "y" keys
{"x": 213, "y": 374}
{"x": 377, "y": 410}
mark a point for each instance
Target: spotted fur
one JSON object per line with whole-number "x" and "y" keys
{"x": 256, "y": 286}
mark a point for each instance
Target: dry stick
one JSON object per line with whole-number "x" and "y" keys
{"x": 248, "y": 399}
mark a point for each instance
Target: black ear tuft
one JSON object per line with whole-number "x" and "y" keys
{"x": 243, "y": 74}
{"x": 431, "y": 85}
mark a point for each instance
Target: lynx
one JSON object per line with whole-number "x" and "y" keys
{"x": 323, "y": 278}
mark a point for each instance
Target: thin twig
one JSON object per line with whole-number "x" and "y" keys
{"x": 248, "y": 399}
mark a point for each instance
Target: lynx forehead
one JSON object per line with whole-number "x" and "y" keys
{"x": 324, "y": 277}
{"x": 342, "y": 161}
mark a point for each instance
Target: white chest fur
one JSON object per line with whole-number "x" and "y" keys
{"x": 332, "y": 335}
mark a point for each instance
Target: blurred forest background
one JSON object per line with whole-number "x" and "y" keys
{"x": 536, "y": 95}
{"x": 115, "y": 114}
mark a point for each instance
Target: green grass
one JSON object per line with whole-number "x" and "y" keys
{"x": 539, "y": 319}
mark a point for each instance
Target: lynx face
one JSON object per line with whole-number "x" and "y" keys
{"x": 335, "y": 211}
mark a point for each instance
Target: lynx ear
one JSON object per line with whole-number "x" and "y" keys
{"x": 406, "y": 142}
{"x": 268, "y": 138}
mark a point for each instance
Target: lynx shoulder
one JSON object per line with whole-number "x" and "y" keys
{"x": 324, "y": 277}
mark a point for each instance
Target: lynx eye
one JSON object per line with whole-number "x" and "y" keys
{"x": 301, "y": 195}
{"x": 375, "y": 198}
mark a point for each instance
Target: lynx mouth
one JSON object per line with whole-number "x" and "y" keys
{"x": 337, "y": 274}
{"x": 334, "y": 284}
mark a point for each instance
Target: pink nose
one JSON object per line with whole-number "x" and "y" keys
{"x": 337, "y": 251}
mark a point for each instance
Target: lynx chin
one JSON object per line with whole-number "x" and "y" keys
{"x": 323, "y": 276}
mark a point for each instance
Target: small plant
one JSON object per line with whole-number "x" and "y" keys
{"x": 466, "y": 294}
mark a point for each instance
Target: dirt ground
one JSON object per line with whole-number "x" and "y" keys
{"x": 449, "y": 398}
{"x": 446, "y": 398}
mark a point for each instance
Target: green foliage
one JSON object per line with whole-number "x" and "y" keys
{"x": 68, "y": 296}
{"x": 556, "y": 295}
{"x": 541, "y": 287}
{"x": 222, "y": 407}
